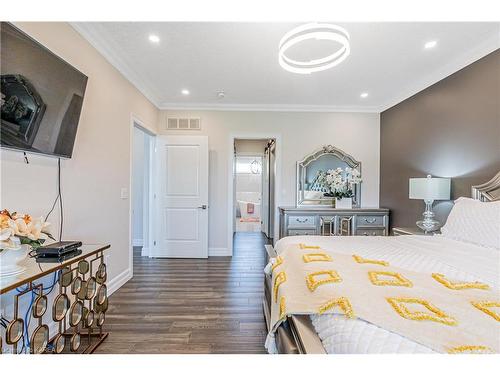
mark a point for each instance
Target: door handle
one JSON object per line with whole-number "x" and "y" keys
{"x": 203, "y": 206}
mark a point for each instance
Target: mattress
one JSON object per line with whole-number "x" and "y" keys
{"x": 417, "y": 253}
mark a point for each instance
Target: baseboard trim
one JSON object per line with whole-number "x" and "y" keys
{"x": 219, "y": 252}
{"x": 118, "y": 281}
{"x": 145, "y": 251}
{"x": 137, "y": 242}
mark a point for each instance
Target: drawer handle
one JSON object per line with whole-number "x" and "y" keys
{"x": 370, "y": 220}
{"x": 368, "y": 234}
{"x": 301, "y": 221}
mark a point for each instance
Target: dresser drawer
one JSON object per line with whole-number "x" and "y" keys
{"x": 370, "y": 232}
{"x": 370, "y": 221}
{"x": 302, "y": 221}
{"x": 301, "y": 232}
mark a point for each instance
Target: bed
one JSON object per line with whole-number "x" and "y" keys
{"x": 458, "y": 258}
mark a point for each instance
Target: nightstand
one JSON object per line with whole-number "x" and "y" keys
{"x": 403, "y": 231}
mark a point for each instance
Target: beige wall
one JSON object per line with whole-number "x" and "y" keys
{"x": 100, "y": 167}
{"x": 301, "y": 133}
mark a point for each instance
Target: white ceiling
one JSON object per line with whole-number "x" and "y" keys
{"x": 387, "y": 60}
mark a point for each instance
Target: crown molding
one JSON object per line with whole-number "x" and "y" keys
{"x": 489, "y": 45}
{"x": 265, "y": 107}
{"x": 116, "y": 61}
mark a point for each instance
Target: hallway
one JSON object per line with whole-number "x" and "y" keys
{"x": 178, "y": 306}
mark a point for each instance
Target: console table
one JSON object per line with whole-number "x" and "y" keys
{"x": 328, "y": 221}
{"x": 73, "y": 319}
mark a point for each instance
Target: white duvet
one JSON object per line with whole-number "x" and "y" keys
{"x": 456, "y": 259}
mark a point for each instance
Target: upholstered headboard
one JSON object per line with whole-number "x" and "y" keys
{"x": 489, "y": 191}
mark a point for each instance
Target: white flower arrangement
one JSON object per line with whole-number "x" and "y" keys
{"x": 16, "y": 229}
{"x": 339, "y": 183}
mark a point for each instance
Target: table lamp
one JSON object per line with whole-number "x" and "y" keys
{"x": 429, "y": 189}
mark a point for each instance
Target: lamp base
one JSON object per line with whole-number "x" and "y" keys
{"x": 429, "y": 224}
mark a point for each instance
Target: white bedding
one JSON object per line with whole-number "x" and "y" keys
{"x": 418, "y": 253}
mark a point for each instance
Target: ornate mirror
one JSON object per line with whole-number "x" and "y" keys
{"x": 310, "y": 192}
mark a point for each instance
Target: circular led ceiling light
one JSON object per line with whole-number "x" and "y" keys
{"x": 317, "y": 31}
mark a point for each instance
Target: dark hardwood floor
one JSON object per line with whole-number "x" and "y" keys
{"x": 178, "y": 306}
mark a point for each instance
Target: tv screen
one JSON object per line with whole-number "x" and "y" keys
{"x": 41, "y": 96}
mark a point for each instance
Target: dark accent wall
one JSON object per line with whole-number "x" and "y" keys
{"x": 451, "y": 129}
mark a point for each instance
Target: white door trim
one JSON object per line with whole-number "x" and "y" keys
{"x": 135, "y": 122}
{"x": 230, "y": 187}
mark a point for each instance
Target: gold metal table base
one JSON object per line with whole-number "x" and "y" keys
{"x": 80, "y": 303}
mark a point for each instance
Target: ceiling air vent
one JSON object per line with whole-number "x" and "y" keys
{"x": 186, "y": 123}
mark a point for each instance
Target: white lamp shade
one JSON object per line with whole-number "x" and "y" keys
{"x": 430, "y": 188}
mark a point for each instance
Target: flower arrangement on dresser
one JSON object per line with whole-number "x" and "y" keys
{"x": 339, "y": 183}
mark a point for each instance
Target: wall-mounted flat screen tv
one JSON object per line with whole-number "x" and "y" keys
{"x": 41, "y": 96}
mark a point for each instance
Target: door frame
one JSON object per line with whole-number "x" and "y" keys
{"x": 135, "y": 122}
{"x": 230, "y": 182}
{"x": 249, "y": 154}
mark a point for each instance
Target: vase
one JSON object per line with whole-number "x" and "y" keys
{"x": 11, "y": 260}
{"x": 344, "y": 203}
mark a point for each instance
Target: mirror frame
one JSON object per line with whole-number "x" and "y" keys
{"x": 45, "y": 331}
{"x": 10, "y": 327}
{"x": 65, "y": 298}
{"x": 308, "y": 159}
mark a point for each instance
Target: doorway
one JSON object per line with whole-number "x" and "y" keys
{"x": 142, "y": 148}
{"x": 253, "y": 186}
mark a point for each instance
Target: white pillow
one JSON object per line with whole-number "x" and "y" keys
{"x": 474, "y": 221}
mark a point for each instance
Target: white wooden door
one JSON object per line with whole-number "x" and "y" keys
{"x": 181, "y": 200}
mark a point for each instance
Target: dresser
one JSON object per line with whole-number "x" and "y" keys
{"x": 328, "y": 221}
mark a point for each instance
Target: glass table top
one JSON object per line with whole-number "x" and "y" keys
{"x": 31, "y": 269}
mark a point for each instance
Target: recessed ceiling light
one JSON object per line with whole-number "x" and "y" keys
{"x": 314, "y": 31}
{"x": 154, "y": 38}
{"x": 185, "y": 92}
{"x": 430, "y": 44}
{"x": 364, "y": 95}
